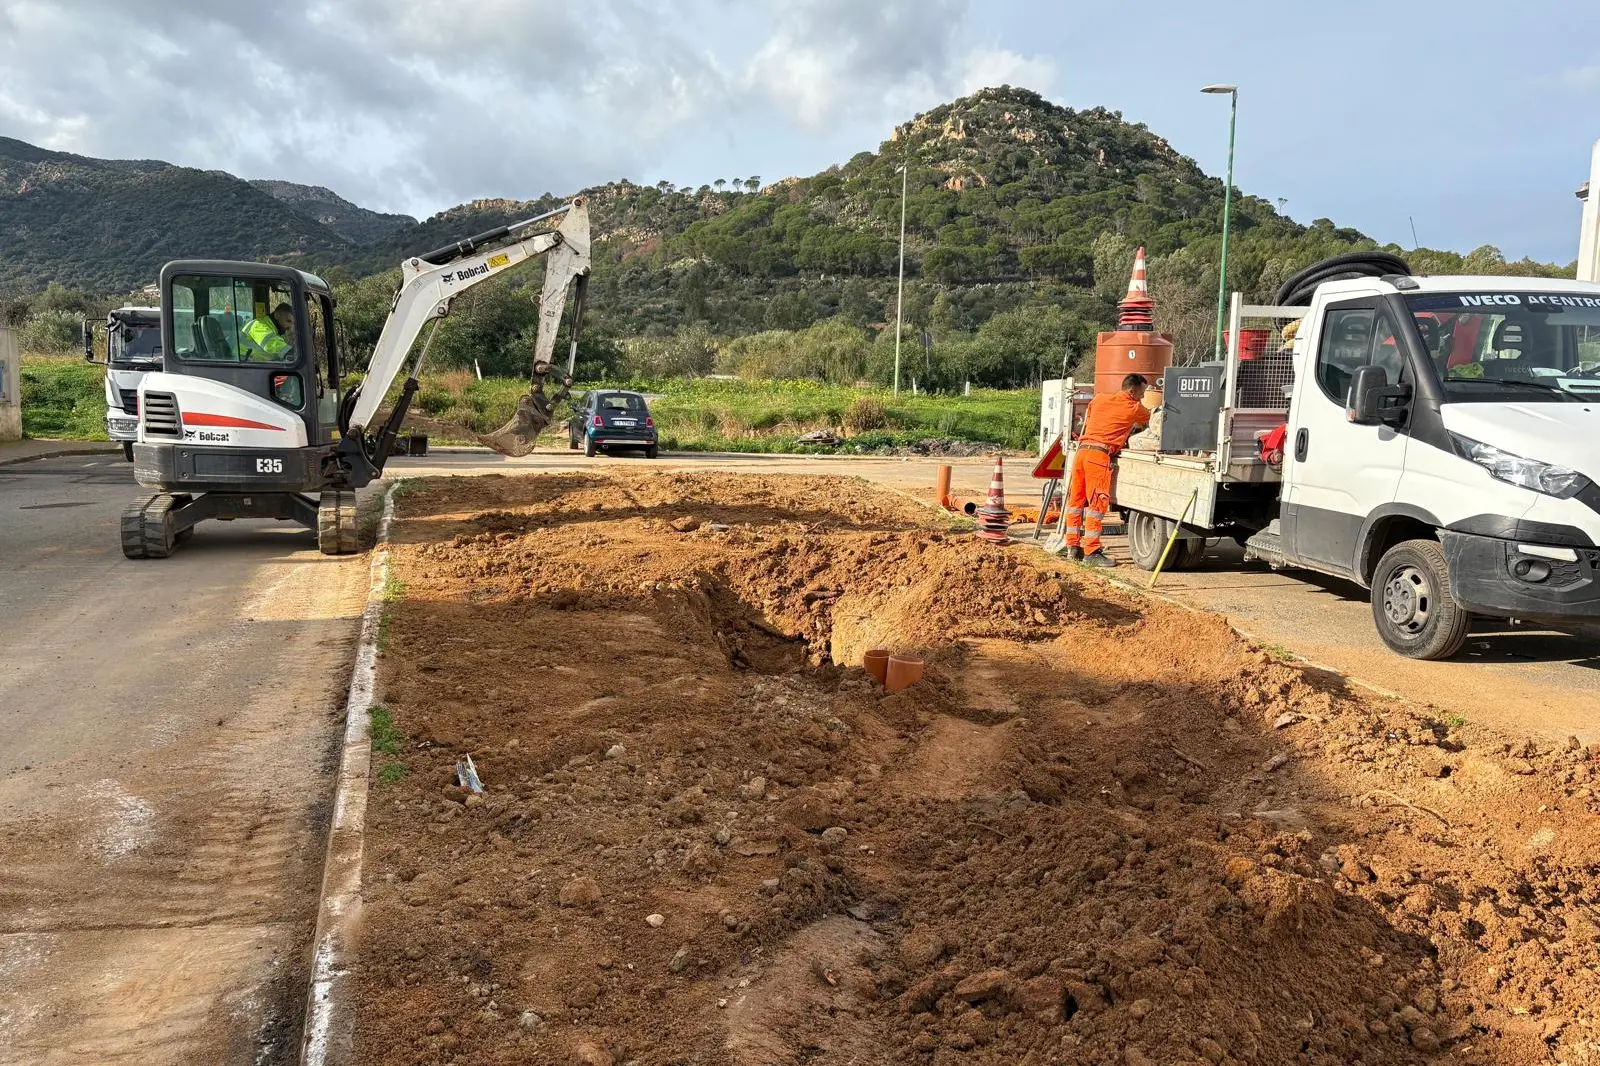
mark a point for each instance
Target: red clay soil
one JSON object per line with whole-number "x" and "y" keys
{"x": 1101, "y": 831}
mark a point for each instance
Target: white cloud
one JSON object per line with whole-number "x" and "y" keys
{"x": 986, "y": 67}
{"x": 419, "y": 104}
{"x": 827, "y": 62}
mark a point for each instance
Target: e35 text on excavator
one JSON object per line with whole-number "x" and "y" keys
{"x": 247, "y": 418}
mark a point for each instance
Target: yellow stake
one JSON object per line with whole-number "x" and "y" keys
{"x": 1176, "y": 529}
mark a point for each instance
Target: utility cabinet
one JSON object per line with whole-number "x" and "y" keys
{"x": 10, "y": 386}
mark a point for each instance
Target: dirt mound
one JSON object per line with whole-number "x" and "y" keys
{"x": 1101, "y": 831}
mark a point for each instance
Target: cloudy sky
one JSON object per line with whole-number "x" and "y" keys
{"x": 1474, "y": 118}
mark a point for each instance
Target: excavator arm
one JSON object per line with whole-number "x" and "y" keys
{"x": 430, "y": 282}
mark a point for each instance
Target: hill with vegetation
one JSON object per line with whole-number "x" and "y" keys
{"x": 355, "y": 224}
{"x": 1022, "y": 218}
{"x": 107, "y": 225}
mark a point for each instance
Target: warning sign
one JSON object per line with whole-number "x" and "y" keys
{"x": 1053, "y": 463}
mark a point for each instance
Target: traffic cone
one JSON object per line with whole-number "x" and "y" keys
{"x": 993, "y": 518}
{"x": 1136, "y": 312}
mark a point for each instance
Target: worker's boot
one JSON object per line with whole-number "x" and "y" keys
{"x": 1099, "y": 559}
{"x": 1075, "y": 554}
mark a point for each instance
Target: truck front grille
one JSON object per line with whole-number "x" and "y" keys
{"x": 161, "y": 415}
{"x": 129, "y": 398}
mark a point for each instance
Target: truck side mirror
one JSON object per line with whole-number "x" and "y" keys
{"x": 88, "y": 341}
{"x": 1375, "y": 402}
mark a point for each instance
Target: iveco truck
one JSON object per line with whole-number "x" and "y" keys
{"x": 1442, "y": 449}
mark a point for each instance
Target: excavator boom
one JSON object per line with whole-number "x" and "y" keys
{"x": 430, "y": 282}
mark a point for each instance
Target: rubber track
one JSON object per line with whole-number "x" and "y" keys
{"x": 132, "y": 528}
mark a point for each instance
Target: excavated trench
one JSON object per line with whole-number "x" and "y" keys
{"x": 1099, "y": 831}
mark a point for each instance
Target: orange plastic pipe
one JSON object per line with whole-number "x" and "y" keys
{"x": 941, "y": 488}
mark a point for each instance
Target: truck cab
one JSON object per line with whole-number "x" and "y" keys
{"x": 132, "y": 350}
{"x": 1443, "y": 450}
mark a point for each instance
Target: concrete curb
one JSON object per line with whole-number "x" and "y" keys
{"x": 329, "y": 1028}
{"x": 61, "y": 453}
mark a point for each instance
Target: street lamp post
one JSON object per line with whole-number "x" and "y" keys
{"x": 1227, "y": 206}
{"x": 900, "y": 293}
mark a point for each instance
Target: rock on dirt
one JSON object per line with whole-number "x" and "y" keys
{"x": 589, "y": 1053}
{"x": 580, "y": 892}
{"x": 809, "y": 810}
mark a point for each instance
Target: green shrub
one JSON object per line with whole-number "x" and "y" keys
{"x": 866, "y": 413}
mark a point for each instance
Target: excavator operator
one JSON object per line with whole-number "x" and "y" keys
{"x": 1107, "y": 425}
{"x": 264, "y": 337}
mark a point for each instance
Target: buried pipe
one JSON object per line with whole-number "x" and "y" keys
{"x": 904, "y": 671}
{"x": 877, "y": 663}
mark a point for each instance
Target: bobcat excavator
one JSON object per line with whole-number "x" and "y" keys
{"x": 247, "y": 419}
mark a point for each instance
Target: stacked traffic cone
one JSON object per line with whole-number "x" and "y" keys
{"x": 993, "y": 518}
{"x": 1136, "y": 312}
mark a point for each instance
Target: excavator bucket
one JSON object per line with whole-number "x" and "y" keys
{"x": 517, "y": 437}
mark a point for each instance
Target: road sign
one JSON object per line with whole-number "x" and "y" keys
{"x": 1053, "y": 463}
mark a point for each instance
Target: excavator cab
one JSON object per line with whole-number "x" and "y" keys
{"x": 262, "y": 329}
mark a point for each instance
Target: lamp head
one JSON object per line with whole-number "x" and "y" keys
{"x": 1220, "y": 89}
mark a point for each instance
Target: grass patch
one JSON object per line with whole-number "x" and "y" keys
{"x": 387, "y": 740}
{"x": 393, "y": 589}
{"x": 63, "y": 398}
{"x": 767, "y": 416}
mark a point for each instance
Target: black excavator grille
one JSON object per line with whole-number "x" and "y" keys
{"x": 161, "y": 415}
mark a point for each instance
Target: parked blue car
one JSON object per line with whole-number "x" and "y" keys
{"x": 610, "y": 418}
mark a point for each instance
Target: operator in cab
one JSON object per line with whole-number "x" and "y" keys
{"x": 1107, "y": 425}
{"x": 264, "y": 340}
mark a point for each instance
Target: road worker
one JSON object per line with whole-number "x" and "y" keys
{"x": 1107, "y": 425}
{"x": 264, "y": 337}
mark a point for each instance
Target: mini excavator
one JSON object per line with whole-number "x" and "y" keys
{"x": 248, "y": 418}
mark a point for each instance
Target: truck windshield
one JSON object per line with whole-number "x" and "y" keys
{"x": 144, "y": 346}
{"x": 1539, "y": 347}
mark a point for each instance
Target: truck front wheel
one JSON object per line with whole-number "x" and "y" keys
{"x": 1411, "y": 602}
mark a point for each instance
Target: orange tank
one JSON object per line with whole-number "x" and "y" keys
{"x": 1124, "y": 352}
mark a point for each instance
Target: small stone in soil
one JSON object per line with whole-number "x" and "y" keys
{"x": 679, "y": 961}
{"x": 530, "y": 1021}
{"x": 616, "y": 751}
{"x": 580, "y": 892}
{"x": 655, "y": 921}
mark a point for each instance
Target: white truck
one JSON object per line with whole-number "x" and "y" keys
{"x": 132, "y": 350}
{"x": 1442, "y": 450}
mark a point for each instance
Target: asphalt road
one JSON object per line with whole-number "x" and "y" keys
{"x": 165, "y": 776}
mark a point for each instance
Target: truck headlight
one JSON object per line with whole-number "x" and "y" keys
{"x": 1552, "y": 480}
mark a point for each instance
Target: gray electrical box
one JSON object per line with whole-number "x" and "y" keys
{"x": 1191, "y": 401}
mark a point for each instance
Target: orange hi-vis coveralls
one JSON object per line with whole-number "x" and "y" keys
{"x": 1107, "y": 426}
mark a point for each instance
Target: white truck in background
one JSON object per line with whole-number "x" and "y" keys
{"x": 132, "y": 350}
{"x": 1442, "y": 444}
